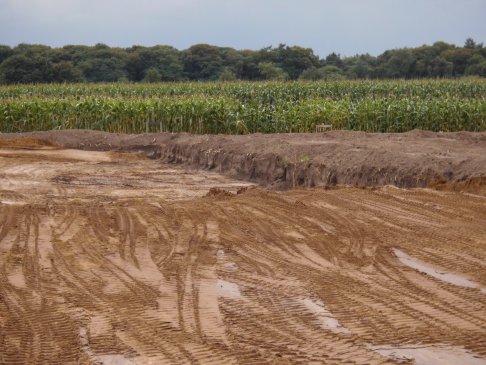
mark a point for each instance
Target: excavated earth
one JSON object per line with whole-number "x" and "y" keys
{"x": 200, "y": 254}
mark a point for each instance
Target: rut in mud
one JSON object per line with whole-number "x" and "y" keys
{"x": 107, "y": 258}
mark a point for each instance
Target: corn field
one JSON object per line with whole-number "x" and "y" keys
{"x": 246, "y": 107}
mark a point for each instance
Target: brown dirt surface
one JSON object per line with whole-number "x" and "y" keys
{"x": 25, "y": 143}
{"x": 109, "y": 257}
{"x": 412, "y": 159}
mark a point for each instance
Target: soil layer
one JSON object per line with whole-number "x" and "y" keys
{"x": 413, "y": 159}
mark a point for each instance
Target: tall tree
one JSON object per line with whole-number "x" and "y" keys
{"x": 270, "y": 71}
{"x": 203, "y": 62}
{"x": 165, "y": 60}
{"x": 5, "y": 52}
{"x": 22, "y": 69}
{"x": 294, "y": 60}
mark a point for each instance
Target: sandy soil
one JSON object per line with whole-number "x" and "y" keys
{"x": 413, "y": 159}
{"x": 112, "y": 258}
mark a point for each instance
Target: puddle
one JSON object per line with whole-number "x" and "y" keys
{"x": 8, "y": 202}
{"x": 220, "y": 253}
{"x": 222, "y": 258}
{"x": 438, "y": 274}
{"x": 225, "y": 289}
{"x": 431, "y": 355}
{"x": 326, "y": 319}
{"x": 231, "y": 266}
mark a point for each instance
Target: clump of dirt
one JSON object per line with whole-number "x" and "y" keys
{"x": 219, "y": 193}
{"x": 471, "y": 185}
{"x": 243, "y": 190}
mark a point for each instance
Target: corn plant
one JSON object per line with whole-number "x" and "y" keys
{"x": 246, "y": 107}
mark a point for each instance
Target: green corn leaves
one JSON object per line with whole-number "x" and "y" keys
{"x": 245, "y": 107}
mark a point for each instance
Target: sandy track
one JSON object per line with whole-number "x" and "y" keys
{"x": 112, "y": 259}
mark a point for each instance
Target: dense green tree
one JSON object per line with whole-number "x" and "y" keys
{"x": 359, "y": 66}
{"x": 103, "y": 70}
{"x": 32, "y": 50}
{"x": 294, "y": 60}
{"x": 247, "y": 69}
{"x": 152, "y": 75}
{"x": 76, "y": 54}
{"x": 270, "y": 71}
{"x": 22, "y": 69}
{"x": 65, "y": 71}
{"x": 334, "y": 59}
{"x": 440, "y": 67}
{"x": 165, "y": 59}
{"x": 231, "y": 58}
{"x": 459, "y": 58}
{"x": 331, "y": 72}
{"x": 312, "y": 73}
{"x": 424, "y": 56}
{"x": 322, "y": 73}
{"x": 399, "y": 64}
{"x": 471, "y": 44}
{"x": 476, "y": 66}
{"x": 440, "y": 47}
{"x": 202, "y": 62}
{"x": 28, "y": 63}
{"x": 227, "y": 75}
{"x": 135, "y": 66}
{"x": 5, "y": 52}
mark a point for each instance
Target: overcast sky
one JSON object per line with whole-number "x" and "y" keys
{"x": 343, "y": 26}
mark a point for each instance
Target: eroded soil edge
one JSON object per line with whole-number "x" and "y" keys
{"x": 447, "y": 161}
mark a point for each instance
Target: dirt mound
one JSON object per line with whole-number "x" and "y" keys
{"x": 282, "y": 161}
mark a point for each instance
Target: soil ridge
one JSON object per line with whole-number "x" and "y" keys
{"x": 282, "y": 161}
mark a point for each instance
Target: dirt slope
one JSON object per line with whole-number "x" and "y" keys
{"x": 413, "y": 159}
{"x": 108, "y": 258}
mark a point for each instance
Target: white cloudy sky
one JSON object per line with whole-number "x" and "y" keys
{"x": 343, "y": 26}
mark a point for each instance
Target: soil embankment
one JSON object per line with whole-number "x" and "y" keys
{"x": 413, "y": 159}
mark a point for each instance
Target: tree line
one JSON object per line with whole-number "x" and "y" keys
{"x": 27, "y": 63}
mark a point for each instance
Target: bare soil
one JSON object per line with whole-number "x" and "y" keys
{"x": 110, "y": 257}
{"x": 413, "y": 159}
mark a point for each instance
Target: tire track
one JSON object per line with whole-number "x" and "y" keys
{"x": 109, "y": 262}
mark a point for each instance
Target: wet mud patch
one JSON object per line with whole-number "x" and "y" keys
{"x": 451, "y": 278}
{"x": 429, "y": 355}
